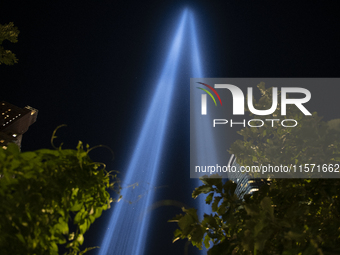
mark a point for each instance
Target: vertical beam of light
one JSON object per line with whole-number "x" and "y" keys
{"x": 204, "y": 140}
{"x": 128, "y": 226}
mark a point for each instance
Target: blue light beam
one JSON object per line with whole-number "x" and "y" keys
{"x": 204, "y": 134}
{"x": 128, "y": 226}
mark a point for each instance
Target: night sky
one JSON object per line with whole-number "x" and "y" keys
{"x": 93, "y": 66}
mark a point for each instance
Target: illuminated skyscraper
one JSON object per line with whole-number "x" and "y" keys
{"x": 245, "y": 184}
{"x": 14, "y": 122}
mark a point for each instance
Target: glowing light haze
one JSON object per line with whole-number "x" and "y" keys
{"x": 127, "y": 230}
{"x": 205, "y": 149}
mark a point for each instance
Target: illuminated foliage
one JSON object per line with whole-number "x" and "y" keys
{"x": 50, "y": 198}
{"x": 312, "y": 141}
{"x": 10, "y": 33}
{"x": 286, "y": 216}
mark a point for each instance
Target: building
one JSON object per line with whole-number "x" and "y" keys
{"x": 245, "y": 184}
{"x": 14, "y": 122}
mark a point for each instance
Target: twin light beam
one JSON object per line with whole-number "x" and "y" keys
{"x": 128, "y": 227}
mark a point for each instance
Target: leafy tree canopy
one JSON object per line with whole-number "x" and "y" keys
{"x": 286, "y": 216}
{"x": 311, "y": 141}
{"x": 50, "y": 198}
{"x": 8, "y": 32}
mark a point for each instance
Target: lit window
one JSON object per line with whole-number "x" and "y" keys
{"x": 253, "y": 190}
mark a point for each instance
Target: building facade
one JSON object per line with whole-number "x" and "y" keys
{"x": 245, "y": 184}
{"x": 14, "y": 122}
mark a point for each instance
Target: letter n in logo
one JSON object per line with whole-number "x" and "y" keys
{"x": 204, "y": 98}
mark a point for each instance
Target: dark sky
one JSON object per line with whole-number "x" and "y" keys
{"x": 91, "y": 65}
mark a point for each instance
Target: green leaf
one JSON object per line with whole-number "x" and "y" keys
{"x": 21, "y": 238}
{"x": 214, "y": 205}
{"x": 209, "y": 198}
{"x": 266, "y": 205}
{"x": 76, "y": 207}
{"x": 80, "y": 239}
{"x": 202, "y": 189}
{"x": 229, "y": 187}
{"x": 29, "y": 155}
{"x": 197, "y": 235}
{"x": 213, "y": 180}
{"x": 185, "y": 224}
{"x": 207, "y": 241}
{"x": 13, "y": 149}
{"x": 252, "y": 210}
{"x": 83, "y": 227}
